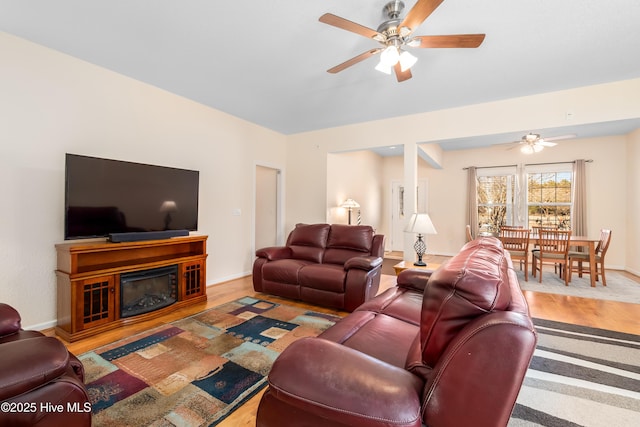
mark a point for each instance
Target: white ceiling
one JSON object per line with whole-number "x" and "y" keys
{"x": 265, "y": 61}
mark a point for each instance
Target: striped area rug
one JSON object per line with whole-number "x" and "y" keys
{"x": 580, "y": 376}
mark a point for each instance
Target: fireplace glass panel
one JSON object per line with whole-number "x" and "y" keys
{"x": 145, "y": 291}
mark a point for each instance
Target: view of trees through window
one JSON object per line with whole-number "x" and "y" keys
{"x": 548, "y": 200}
{"x": 495, "y": 202}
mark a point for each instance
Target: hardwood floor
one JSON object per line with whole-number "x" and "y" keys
{"x": 622, "y": 317}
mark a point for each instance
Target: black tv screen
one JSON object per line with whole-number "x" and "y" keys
{"x": 104, "y": 196}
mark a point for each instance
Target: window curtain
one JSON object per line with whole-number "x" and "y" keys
{"x": 472, "y": 200}
{"x": 521, "y": 197}
{"x": 579, "y": 198}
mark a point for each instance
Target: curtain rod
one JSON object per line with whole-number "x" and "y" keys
{"x": 526, "y": 164}
{"x": 554, "y": 163}
{"x": 490, "y": 167}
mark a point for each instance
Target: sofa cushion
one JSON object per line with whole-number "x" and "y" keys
{"x": 308, "y": 241}
{"x": 380, "y": 336}
{"x": 472, "y": 283}
{"x": 325, "y": 277}
{"x": 284, "y": 270}
{"x": 401, "y": 303}
{"x": 40, "y": 360}
{"x": 348, "y": 241}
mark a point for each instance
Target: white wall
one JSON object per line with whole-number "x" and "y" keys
{"x": 356, "y": 175}
{"x": 608, "y": 178}
{"x": 51, "y": 103}
{"x": 633, "y": 203}
{"x": 606, "y": 183}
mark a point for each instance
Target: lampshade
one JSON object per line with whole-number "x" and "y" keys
{"x": 350, "y": 203}
{"x": 531, "y": 148}
{"x": 383, "y": 68}
{"x": 420, "y": 223}
{"x": 407, "y": 60}
{"x": 390, "y": 56}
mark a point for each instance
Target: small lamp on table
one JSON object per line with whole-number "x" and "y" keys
{"x": 420, "y": 223}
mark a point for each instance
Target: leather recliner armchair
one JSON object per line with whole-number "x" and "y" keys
{"x": 442, "y": 349}
{"x": 41, "y": 383}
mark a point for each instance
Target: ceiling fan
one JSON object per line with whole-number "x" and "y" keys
{"x": 533, "y": 142}
{"x": 396, "y": 34}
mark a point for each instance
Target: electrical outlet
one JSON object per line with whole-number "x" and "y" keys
{"x": 236, "y": 212}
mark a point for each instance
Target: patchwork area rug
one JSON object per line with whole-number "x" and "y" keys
{"x": 619, "y": 287}
{"x": 580, "y": 376}
{"x": 195, "y": 371}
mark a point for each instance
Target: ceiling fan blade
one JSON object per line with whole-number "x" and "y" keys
{"x": 509, "y": 143}
{"x": 458, "y": 40}
{"x": 513, "y": 145}
{"x": 546, "y": 143}
{"x": 345, "y": 24}
{"x": 402, "y": 75}
{"x": 556, "y": 138}
{"x": 418, "y": 13}
{"x": 353, "y": 61}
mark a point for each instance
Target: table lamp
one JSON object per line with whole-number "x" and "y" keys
{"x": 420, "y": 223}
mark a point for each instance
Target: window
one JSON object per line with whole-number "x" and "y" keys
{"x": 503, "y": 199}
{"x": 496, "y": 197}
{"x": 549, "y": 198}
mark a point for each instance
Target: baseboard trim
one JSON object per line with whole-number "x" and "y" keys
{"x": 219, "y": 280}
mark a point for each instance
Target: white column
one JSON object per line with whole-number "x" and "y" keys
{"x": 410, "y": 196}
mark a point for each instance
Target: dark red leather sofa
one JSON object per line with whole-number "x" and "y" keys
{"x": 449, "y": 348}
{"x": 335, "y": 265}
{"x": 41, "y": 383}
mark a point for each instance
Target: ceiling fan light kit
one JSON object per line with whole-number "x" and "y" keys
{"x": 395, "y": 33}
{"x": 407, "y": 60}
{"x": 533, "y": 143}
{"x": 383, "y": 68}
{"x": 531, "y": 148}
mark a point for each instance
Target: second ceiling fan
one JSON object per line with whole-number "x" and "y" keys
{"x": 396, "y": 34}
{"x": 533, "y": 142}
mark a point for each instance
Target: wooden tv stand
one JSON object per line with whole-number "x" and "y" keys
{"x": 88, "y": 280}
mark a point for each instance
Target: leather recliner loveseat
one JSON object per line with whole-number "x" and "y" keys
{"x": 448, "y": 348}
{"x": 335, "y": 265}
{"x": 41, "y": 383}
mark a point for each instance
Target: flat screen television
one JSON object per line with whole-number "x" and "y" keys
{"x": 104, "y": 196}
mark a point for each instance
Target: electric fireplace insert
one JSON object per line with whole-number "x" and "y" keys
{"x": 148, "y": 290}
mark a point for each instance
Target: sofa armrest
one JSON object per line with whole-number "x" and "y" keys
{"x": 273, "y": 253}
{"x": 28, "y": 364}
{"x": 366, "y": 263}
{"x": 414, "y": 279}
{"x": 9, "y": 320}
{"x": 344, "y": 385}
{"x": 497, "y": 349}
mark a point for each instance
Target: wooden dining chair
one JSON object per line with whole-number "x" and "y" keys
{"x": 516, "y": 241}
{"x": 553, "y": 247}
{"x": 581, "y": 257}
{"x": 536, "y": 232}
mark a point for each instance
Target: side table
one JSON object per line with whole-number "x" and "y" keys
{"x": 405, "y": 265}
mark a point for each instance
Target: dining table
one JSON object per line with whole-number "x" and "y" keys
{"x": 581, "y": 241}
